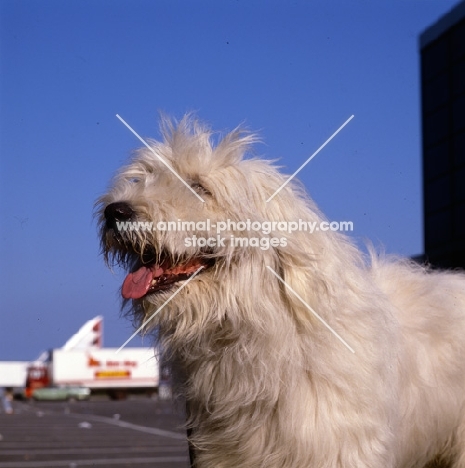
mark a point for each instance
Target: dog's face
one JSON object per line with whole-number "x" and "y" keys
{"x": 141, "y": 216}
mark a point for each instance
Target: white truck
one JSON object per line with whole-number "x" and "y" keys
{"x": 99, "y": 369}
{"x": 83, "y": 362}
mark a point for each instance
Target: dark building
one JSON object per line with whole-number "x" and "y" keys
{"x": 442, "y": 48}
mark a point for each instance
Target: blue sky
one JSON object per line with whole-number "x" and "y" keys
{"x": 292, "y": 70}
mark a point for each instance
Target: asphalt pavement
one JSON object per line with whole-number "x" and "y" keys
{"x": 139, "y": 432}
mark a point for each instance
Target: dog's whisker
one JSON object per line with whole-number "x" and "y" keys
{"x": 143, "y": 327}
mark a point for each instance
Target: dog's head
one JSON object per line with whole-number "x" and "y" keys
{"x": 190, "y": 218}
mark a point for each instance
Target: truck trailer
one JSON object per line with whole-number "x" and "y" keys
{"x": 102, "y": 370}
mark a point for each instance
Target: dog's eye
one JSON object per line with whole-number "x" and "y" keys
{"x": 200, "y": 189}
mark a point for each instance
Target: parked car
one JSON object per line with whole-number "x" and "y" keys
{"x": 61, "y": 393}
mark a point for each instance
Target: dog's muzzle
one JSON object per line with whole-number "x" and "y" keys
{"x": 150, "y": 271}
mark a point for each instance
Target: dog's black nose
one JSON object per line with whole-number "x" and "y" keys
{"x": 119, "y": 211}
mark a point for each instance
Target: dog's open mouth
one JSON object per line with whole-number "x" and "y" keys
{"x": 157, "y": 276}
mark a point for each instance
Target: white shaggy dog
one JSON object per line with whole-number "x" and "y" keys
{"x": 267, "y": 380}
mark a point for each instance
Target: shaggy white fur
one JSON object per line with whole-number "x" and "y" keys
{"x": 267, "y": 383}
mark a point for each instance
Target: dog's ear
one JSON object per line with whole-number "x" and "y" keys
{"x": 309, "y": 261}
{"x": 315, "y": 270}
{"x": 302, "y": 284}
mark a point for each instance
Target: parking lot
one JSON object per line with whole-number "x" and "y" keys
{"x": 137, "y": 432}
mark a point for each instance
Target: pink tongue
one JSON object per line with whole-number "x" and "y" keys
{"x": 137, "y": 283}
